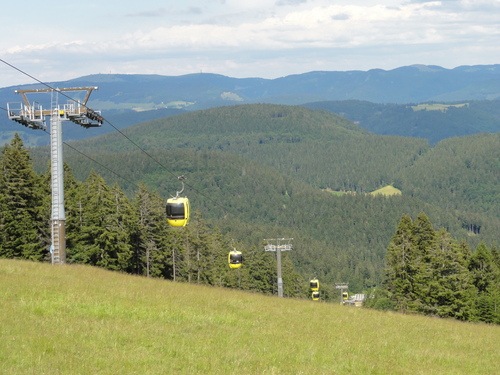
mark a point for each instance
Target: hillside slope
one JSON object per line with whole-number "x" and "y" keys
{"x": 317, "y": 147}
{"x": 81, "y": 320}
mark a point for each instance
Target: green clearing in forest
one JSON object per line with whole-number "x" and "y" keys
{"x": 437, "y": 107}
{"x": 387, "y": 190}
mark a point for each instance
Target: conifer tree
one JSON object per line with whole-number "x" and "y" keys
{"x": 401, "y": 268}
{"x": 482, "y": 268}
{"x": 179, "y": 260}
{"x": 294, "y": 285}
{"x": 151, "y": 239}
{"x": 22, "y": 225}
{"x": 104, "y": 236}
{"x": 423, "y": 238}
{"x": 450, "y": 289}
{"x": 206, "y": 252}
{"x": 485, "y": 276}
{"x": 261, "y": 267}
{"x": 74, "y": 202}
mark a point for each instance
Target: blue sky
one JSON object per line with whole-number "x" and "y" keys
{"x": 55, "y": 40}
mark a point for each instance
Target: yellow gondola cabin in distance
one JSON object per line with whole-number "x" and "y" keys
{"x": 178, "y": 211}
{"x": 345, "y": 295}
{"x": 314, "y": 284}
{"x": 235, "y": 259}
{"x": 315, "y": 295}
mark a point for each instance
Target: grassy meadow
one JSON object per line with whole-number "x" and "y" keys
{"x": 387, "y": 191}
{"x": 84, "y": 320}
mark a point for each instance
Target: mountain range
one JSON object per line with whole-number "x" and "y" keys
{"x": 128, "y": 99}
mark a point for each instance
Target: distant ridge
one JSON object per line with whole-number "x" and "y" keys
{"x": 124, "y": 93}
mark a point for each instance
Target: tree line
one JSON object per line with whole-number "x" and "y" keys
{"x": 428, "y": 272}
{"x": 105, "y": 228}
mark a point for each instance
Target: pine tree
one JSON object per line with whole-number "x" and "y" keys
{"x": 207, "y": 251}
{"x": 485, "y": 276}
{"x": 482, "y": 268}
{"x": 450, "y": 288}
{"x": 75, "y": 214}
{"x": 261, "y": 267}
{"x": 401, "y": 268}
{"x": 22, "y": 224}
{"x": 152, "y": 256}
{"x": 106, "y": 226}
{"x": 294, "y": 285}
{"x": 424, "y": 238}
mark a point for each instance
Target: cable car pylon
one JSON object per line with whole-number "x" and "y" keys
{"x": 32, "y": 115}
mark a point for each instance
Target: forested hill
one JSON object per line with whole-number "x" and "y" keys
{"x": 326, "y": 152}
{"x": 318, "y": 147}
{"x": 263, "y": 171}
{"x": 433, "y": 121}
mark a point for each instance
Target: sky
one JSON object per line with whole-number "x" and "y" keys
{"x": 56, "y": 40}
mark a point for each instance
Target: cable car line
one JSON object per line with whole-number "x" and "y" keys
{"x": 100, "y": 164}
{"x": 120, "y": 132}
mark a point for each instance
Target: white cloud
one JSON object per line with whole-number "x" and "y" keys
{"x": 242, "y": 38}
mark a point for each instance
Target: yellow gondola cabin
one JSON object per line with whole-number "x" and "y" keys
{"x": 235, "y": 259}
{"x": 314, "y": 284}
{"x": 178, "y": 211}
{"x": 178, "y": 208}
{"x": 315, "y": 295}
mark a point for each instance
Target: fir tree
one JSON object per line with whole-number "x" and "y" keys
{"x": 152, "y": 236}
{"x": 450, "y": 289}
{"x": 22, "y": 232}
{"x": 485, "y": 276}
{"x": 401, "y": 268}
{"x": 482, "y": 268}
{"x": 294, "y": 285}
{"x": 104, "y": 235}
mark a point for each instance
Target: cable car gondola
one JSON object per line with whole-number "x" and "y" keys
{"x": 315, "y": 295}
{"x": 345, "y": 295}
{"x": 178, "y": 208}
{"x": 314, "y": 284}
{"x": 235, "y": 259}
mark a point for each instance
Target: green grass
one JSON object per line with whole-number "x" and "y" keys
{"x": 84, "y": 320}
{"x": 387, "y": 190}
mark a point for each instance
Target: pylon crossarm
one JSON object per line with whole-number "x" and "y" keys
{"x": 29, "y": 116}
